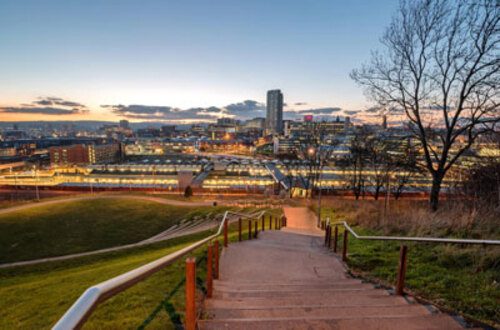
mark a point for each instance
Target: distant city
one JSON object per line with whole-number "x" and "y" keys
{"x": 259, "y": 155}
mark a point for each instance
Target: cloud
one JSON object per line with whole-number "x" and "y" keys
{"x": 300, "y": 103}
{"x": 245, "y": 109}
{"x": 241, "y": 110}
{"x": 41, "y": 110}
{"x": 373, "y": 110}
{"x": 351, "y": 112}
{"x": 147, "y": 112}
{"x": 48, "y": 106}
{"x": 45, "y": 101}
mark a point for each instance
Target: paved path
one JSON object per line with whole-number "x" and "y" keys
{"x": 81, "y": 198}
{"x": 287, "y": 280}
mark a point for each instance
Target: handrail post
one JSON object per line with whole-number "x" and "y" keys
{"x": 216, "y": 274}
{"x": 209, "y": 270}
{"x": 326, "y": 237}
{"x": 403, "y": 255}
{"x": 329, "y": 237}
{"x": 239, "y": 229}
{"x": 270, "y": 222}
{"x": 256, "y": 228}
{"x": 225, "y": 233}
{"x": 190, "y": 294}
{"x": 249, "y": 229}
{"x": 275, "y": 223}
{"x": 335, "y": 239}
{"x": 263, "y": 223}
{"x": 344, "y": 247}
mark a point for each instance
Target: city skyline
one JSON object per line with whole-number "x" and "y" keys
{"x": 98, "y": 60}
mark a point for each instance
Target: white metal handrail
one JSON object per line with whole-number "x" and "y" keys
{"x": 80, "y": 311}
{"x": 418, "y": 239}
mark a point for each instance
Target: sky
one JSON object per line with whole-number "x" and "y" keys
{"x": 182, "y": 61}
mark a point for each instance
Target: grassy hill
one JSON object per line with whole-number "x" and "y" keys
{"x": 79, "y": 226}
{"x": 36, "y": 296}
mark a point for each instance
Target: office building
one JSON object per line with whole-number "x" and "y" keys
{"x": 274, "y": 117}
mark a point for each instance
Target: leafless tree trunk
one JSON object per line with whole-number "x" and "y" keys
{"x": 439, "y": 70}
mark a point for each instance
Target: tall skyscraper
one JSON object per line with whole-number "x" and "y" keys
{"x": 274, "y": 117}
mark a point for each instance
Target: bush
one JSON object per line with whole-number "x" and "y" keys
{"x": 188, "y": 192}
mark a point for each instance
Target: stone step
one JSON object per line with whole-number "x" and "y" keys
{"x": 250, "y": 283}
{"x": 370, "y": 299}
{"x": 330, "y": 312}
{"x": 290, "y": 287}
{"x": 325, "y": 293}
{"x": 428, "y": 322}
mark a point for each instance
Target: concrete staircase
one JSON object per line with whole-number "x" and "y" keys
{"x": 285, "y": 280}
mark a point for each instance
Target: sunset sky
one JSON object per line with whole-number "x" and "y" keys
{"x": 183, "y": 60}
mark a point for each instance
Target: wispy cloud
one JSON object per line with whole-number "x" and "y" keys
{"x": 48, "y": 106}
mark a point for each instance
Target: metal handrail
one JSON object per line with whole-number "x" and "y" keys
{"x": 79, "y": 312}
{"x": 418, "y": 239}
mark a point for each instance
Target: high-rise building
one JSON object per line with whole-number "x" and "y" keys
{"x": 274, "y": 117}
{"x": 124, "y": 123}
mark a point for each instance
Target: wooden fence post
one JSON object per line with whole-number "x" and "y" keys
{"x": 190, "y": 294}
{"x": 344, "y": 247}
{"x": 270, "y": 222}
{"x": 403, "y": 255}
{"x": 256, "y": 228}
{"x": 263, "y": 223}
{"x": 209, "y": 270}
{"x": 326, "y": 237}
{"x": 225, "y": 233}
{"x": 249, "y": 229}
{"x": 335, "y": 239}
{"x": 239, "y": 229}
{"x": 216, "y": 274}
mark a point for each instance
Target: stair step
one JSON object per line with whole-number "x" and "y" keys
{"x": 327, "y": 300}
{"x": 330, "y": 312}
{"x": 429, "y": 322}
{"x": 291, "y": 287}
{"x": 287, "y": 282}
{"x": 317, "y": 293}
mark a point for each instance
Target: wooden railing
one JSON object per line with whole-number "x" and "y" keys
{"x": 79, "y": 312}
{"x": 403, "y": 252}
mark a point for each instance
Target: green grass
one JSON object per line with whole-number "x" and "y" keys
{"x": 465, "y": 279}
{"x": 34, "y": 297}
{"x": 79, "y": 226}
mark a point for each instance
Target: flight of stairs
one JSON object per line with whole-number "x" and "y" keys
{"x": 287, "y": 281}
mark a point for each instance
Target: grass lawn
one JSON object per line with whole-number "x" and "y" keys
{"x": 79, "y": 226}
{"x": 461, "y": 278}
{"x": 34, "y": 297}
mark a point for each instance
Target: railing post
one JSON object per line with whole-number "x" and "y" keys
{"x": 263, "y": 223}
{"x": 256, "y": 228}
{"x": 344, "y": 247}
{"x": 335, "y": 239}
{"x": 225, "y": 233}
{"x": 190, "y": 294}
{"x": 329, "y": 236}
{"x": 239, "y": 229}
{"x": 403, "y": 254}
{"x": 249, "y": 229}
{"x": 270, "y": 222}
{"x": 275, "y": 223}
{"x": 216, "y": 246}
{"x": 209, "y": 270}
{"x": 326, "y": 237}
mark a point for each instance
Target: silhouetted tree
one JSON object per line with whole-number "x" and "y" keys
{"x": 440, "y": 70}
{"x": 188, "y": 192}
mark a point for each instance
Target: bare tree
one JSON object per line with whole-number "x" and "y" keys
{"x": 440, "y": 70}
{"x": 356, "y": 163}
